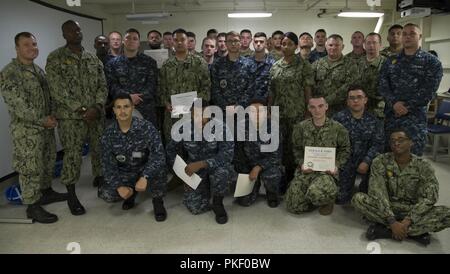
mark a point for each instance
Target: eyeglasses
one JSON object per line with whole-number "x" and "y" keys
{"x": 399, "y": 141}
{"x": 356, "y": 98}
{"x": 233, "y": 42}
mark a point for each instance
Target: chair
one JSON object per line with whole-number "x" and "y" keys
{"x": 440, "y": 126}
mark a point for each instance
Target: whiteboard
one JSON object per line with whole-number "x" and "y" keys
{"x": 45, "y": 23}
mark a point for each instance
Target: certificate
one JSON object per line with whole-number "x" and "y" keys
{"x": 320, "y": 158}
{"x": 243, "y": 186}
{"x": 179, "y": 166}
{"x": 182, "y": 103}
{"x": 160, "y": 55}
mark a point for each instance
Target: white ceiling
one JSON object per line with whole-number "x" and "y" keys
{"x": 124, "y": 6}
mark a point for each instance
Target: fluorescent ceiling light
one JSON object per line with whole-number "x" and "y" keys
{"x": 360, "y": 14}
{"x": 249, "y": 15}
{"x": 146, "y": 16}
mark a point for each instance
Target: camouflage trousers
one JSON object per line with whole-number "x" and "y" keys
{"x": 415, "y": 127}
{"x": 271, "y": 179}
{"x": 73, "y": 134}
{"x": 308, "y": 191}
{"x": 434, "y": 220}
{"x": 213, "y": 180}
{"x": 288, "y": 159}
{"x": 156, "y": 186}
{"x": 34, "y": 155}
{"x": 347, "y": 177}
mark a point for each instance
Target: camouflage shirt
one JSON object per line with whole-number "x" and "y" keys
{"x": 277, "y": 55}
{"x": 366, "y": 135}
{"x": 332, "y": 80}
{"x": 331, "y": 134}
{"x": 357, "y": 58}
{"x": 176, "y": 77}
{"x": 247, "y": 53}
{"x": 75, "y": 82}
{"x": 261, "y": 72}
{"x": 412, "y": 190}
{"x": 139, "y": 151}
{"x": 26, "y": 93}
{"x": 232, "y": 82}
{"x": 386, "y": 52}
{"x": 411, "y": 79}
{"x": 287, "y": 86}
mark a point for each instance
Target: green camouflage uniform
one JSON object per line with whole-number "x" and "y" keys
{"x": 368, "y": 79}
{"x": 307, "y": 191}
{"x": 247, "y": 53}
{"x": 332, "y": 80}
{"x": 399, "y": 193}
{"x": 386, "y": 52}
{"x": 75, "y": 82}
{"x": 178, "y": 77}
{"x": 27, "y": 96}
{"x": 287, "y": 90}
{"x": 277, "y": 55}
{"x": 356, "y": 58}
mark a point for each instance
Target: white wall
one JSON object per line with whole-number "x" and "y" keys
{"x": 298, "y": 22}
{"x": 439, "y": 29}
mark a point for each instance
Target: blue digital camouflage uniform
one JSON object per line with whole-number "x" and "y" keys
{"x": 135, "y": 75}
{"x": 128, "y": 156}
{"x": 367, "y": 141}
{"x": 316, "y": 55}
{"x": 270, "y": 162}
{"x": 215, "y": 178}
{"x": 413, "y": 80}
{"x": 308, "y": 191}
{"x": 232, "y": 83}
{"x": 398, "y": 193}
{"x": 261, "y": 72}
{"x": 77, "y": 81}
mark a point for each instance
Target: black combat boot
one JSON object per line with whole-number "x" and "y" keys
{"x": 423, "y": 239}
{"x": 159, "y": 210}
{"x": 40, "y": 215}
{"x": 378, "y": 231}
{"x": 98, "y": 181}
{"x": 219, "y": 210}
{"x": 129, "y": 203}
{"x": 50, "y": 196}
{"x": 272, "y": 199}
{"x": 72, "y": 201}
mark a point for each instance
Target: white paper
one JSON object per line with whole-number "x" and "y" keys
{"x": 160, "y": 55}
{"x": 243, "y": 186}
{"x": 320, "y": 158}
{"x": 182, "y": 103}
{"x": 179, "y": 166}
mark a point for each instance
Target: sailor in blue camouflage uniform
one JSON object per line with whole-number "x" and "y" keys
{"x": 132, "y": 158}
{"x": 209, "y": 158}
{"x": 367, "y": 141}
{"x": 408, "y": 82}
{"x": 136, "y": 74}
{"x": 232, "y": 82}
{"x": 263, "y": 166}
{"x": 261, "y": 65}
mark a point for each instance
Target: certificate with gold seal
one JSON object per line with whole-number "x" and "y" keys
{"x": 320, "y": 158}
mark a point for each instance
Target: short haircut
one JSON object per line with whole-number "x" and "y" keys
{"x": 122, "y": 95}
{"x": 133, "y": 30}
{"x": 320, "y": 30}
{"x": 375, "y": 34}
{"x": 208, "y": 38}
{"x": 114, "y": 31}
{"x": 305, "y": 33}
{"x": 65, "y": 24}
{"x": 190, "y": 34}
{"x": 355, "y": 87}
{"x": 399, "y": 129}
{"x": 153, "y": 30}
{"x": 359, "y": 33}
{"x": 396, "y": 26}
{"x": 180, "y": 30}
{"x": 222, "y": 34}
{"x": 336, "y": 37}
{"x": 167, "y": 33}
{"x": 277, "y": 32}
{"x": 260, "y": 34}
{"x": 24, "y": 34}
{"x": 412, "y": 25}
{"x": 211, "y": 31}
{"x": 246, "y": 31}
{"x": 317, "y": 96}
{"x": 231, "y": 33}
